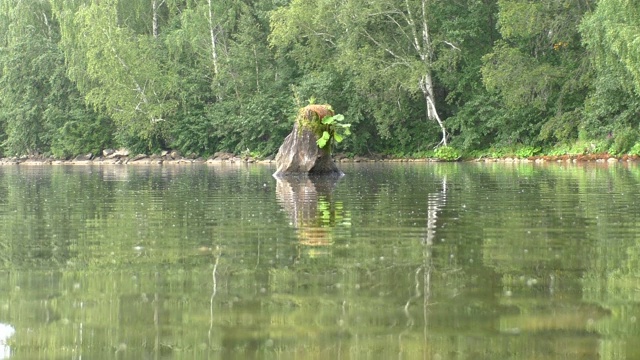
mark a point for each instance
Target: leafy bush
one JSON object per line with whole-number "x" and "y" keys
{"x": 635, "y": 150}
{"x": 447, "y": 153}
{"x": 623, "y": 141}
{"x": 527, "y": 151}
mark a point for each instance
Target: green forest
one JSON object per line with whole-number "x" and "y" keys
{"x": 202, "y": 76}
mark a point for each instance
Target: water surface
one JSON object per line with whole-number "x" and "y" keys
{"x": 392, "y": 261}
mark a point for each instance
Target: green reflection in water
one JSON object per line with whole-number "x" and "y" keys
{"x": 392, "y": 261}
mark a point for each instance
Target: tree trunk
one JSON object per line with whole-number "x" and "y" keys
{"x": 300, "y": 153}
{"x": 422, "y": 45}
{"x": 154, "y": 20}
{"x": 426, "y": 85}
{"x": 155, "y": 6}
{"x": 213, "y": 35}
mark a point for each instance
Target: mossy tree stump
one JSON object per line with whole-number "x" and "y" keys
{"x": 300, "y": 153}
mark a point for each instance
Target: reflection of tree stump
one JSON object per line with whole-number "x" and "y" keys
{"x": 300, "y": 197}
{"x": 299, "y": 153}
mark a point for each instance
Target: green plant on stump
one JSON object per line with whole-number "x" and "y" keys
{"x": 333, "y": 128}
{"x": 324, "y": 123}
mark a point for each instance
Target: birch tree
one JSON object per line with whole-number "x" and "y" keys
{"x": 155, "y": 9}
{"x": 214, "y": 32}
{"x": 27, "y": 52}
{"x": 390, "y": 40}
{"x": 120, "y": 71}
{"x": 612, "y": 34}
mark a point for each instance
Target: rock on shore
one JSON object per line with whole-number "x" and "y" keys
{"x": 123, "y": 157}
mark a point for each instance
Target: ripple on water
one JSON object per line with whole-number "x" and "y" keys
{"x": 466, "y": 256}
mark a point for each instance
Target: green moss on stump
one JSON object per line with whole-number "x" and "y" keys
{"x": 310, "y": 117}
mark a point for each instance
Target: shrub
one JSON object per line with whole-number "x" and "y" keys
{"x": 635, "y": 150}
{"x": 447, "y": 153}
{"x": 526, "y": 151}
{"x": 623, "y": 140}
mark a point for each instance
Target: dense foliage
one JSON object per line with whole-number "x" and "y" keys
{"x": 202, "y": 76}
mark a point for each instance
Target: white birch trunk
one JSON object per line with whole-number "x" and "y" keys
{"x": 422, "y": 45}
{"x": 214, "y": 35}
{"x": 426, "y": 85}
{"x": 154, "y": 16}
{"x": 154, "y": 21}
{"x": 426, "y": 82}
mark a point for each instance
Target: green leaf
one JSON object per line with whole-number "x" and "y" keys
{"x": 327, "y": 120}
{"x": 322, "y": 141}
{"x": 338, "y": 137}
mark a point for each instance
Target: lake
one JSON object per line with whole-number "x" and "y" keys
{"x": 391, "y": 261}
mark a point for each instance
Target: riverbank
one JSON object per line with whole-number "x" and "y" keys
{"x": 122, "y": 157}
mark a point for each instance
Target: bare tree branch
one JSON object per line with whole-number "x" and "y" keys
{"x": 450, "y": 44}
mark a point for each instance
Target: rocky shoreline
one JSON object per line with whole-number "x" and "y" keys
{"x": 123, "y": 157}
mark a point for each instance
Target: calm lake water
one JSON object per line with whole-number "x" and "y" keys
{"x": 392, "y": 261}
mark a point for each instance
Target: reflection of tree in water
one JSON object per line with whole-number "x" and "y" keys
{"x": 435, "y": 203}
{"x": 309, "y": 202}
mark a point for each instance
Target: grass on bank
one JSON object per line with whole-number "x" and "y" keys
{"x": 582, "y": 147}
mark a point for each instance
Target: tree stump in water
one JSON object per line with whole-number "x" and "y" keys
{"x": 300, "y": 153}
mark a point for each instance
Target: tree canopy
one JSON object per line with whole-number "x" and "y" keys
{"x": 203, "y": 76}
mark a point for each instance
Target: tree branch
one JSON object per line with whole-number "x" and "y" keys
{"x": 414, "y": 30}
{"x": 450, "y": 44}
{"x": 387, "y": 50}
